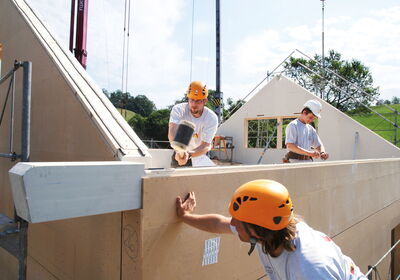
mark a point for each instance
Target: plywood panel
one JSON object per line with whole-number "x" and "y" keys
{"x": 132, "y": 249}
{"x": 395, "y": 255}
{"x": 62, "y": 129}
{"x": 367, "y": 241}
{"x": 10, "y": 263}
{"x": 334, "y": 198}
{"x": 37, "y": 271}
{"x": 82, "y": 248}
{"x": 173, "y": 250}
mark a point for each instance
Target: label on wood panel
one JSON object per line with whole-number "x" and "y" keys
{"x": 211, "y": 249}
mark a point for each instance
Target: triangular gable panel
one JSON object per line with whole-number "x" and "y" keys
{"x": 60, "y": 82}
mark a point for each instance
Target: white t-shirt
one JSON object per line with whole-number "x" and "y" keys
{"x": 316, "y": 257}
{"x": 206, "y": 124}
{"x": 302, "y": 135}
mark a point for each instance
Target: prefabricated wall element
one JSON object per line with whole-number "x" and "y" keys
{"x": 343, "y": 137}
{"x": 357, "y": 203}
{"x": 160, "y": 158}
{"x": 49, "y": 191}
{"x": 71, "y": 120}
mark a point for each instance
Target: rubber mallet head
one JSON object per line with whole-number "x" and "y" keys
{"x": 183, "y": 136}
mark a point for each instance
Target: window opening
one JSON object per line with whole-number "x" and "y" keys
{"x": 260, "y": 131}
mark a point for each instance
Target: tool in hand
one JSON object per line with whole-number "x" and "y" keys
{"x": 182, "y": 137}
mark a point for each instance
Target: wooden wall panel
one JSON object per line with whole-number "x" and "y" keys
{"x": 81, "y": 248}
{"x": 132, "y": 240}
{"x": 347, "y": 200}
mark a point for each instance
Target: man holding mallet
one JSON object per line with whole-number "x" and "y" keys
{"x": 205, "y": 123}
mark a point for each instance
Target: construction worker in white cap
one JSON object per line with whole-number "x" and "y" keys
{"x": 302, "y": 140}
{"x": 262, "y": 214}
{"x": 206, "y": 124}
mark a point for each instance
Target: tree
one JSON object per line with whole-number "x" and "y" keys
{"x": 138, "y": 124}
{"x": 117, "y": 98}
{"x": 153, "y": 127}
{"x": 141, "y": 105}
{"x": 232, "y": 107}
{"x": 334, "y": 90}
{"x": 157, "y": 125}
{"x": 395, "y": 100}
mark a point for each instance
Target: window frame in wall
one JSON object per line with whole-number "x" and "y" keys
{"x": 279, "y": 143}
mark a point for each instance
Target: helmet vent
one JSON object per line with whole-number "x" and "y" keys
{"x": 239, "y": 201}
{"x": 277, "y": 220}
{"x": 281, "y": 206}
{"x": 287, "y": 201}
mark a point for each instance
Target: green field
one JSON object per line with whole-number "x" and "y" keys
{"x": 378, "y": 124}
{"x": 126, "y": 113}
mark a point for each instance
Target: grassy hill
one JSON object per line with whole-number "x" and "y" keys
{"x": 379, "y": 125}
{"x": 129, "y": 114}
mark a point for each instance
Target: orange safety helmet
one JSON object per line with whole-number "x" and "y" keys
{"x": 197, "y": 90}
{"x": 265, "y": 203}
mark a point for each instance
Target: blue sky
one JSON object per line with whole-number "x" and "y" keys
{"x": 256, "y": 36}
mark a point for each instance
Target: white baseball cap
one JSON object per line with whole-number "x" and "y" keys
{"x": 315, "y": 107}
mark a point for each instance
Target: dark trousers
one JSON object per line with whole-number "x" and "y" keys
{"x": 174, "y": 163}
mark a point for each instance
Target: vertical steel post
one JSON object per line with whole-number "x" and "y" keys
{"x": 12, "y": 113}
{"x": 395, "y": 127}
{"x": 72, "y": 27}
{"x": 23, "y": 248}
{"x": 25, "y": 154}
{"x": 323, "y": 34}
{"x": 218, "y": 94}
{"x": 323, "y": 49}
{"x": 26, "y": 110}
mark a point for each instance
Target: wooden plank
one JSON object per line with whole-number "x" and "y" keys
{"x": 53, "y": 191}
{"x": 132, "y": 244}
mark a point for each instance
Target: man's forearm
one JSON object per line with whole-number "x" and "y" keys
{"x": 172, "y": 128}
{"x": 200, "y": 150}
{"x": 214, "y": 223}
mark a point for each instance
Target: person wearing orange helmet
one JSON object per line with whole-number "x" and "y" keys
{"x": 302, "y": 140}
{"x": 262, "y": 214}
{"x": 205, "y": 121}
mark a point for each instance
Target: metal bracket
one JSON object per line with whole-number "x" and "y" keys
{"x": 13, "y": 238}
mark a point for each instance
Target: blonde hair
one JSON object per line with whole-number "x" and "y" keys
{"x": 272, "y": 239}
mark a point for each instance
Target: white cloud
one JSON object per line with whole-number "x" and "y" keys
{"x": 374, "y": 40}
{"x": 154, "y": 56}
{"x": 300, "y": 33}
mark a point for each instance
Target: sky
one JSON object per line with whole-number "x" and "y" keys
{"x": 256, "y": 35}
